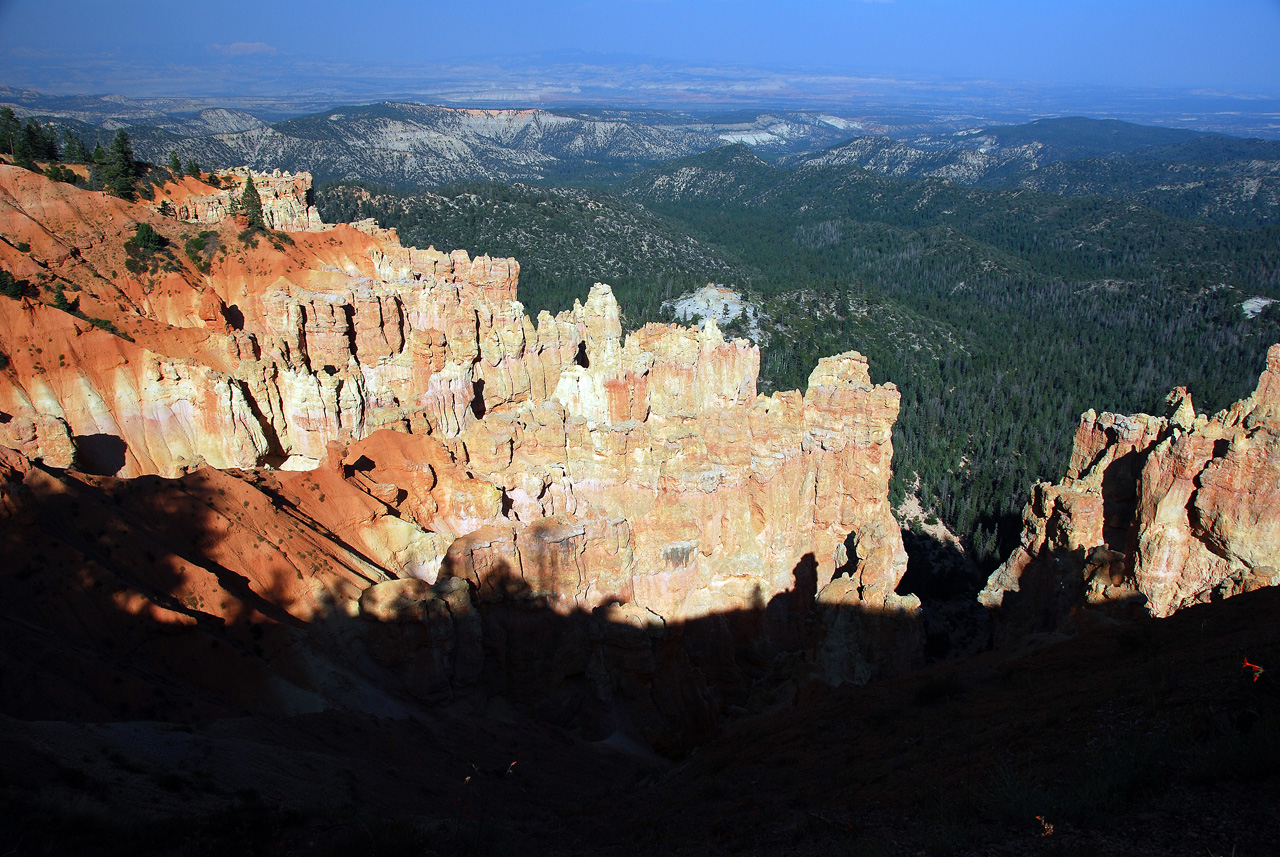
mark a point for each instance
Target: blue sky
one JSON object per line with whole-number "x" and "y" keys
{"x": 152, "y": 47}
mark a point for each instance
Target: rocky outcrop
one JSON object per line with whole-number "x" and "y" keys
{"x": 1155, "y": 514}
{"x": 286, "y": 202}
{"x": 39, "y": 437}
{"x": 630, "y": 496}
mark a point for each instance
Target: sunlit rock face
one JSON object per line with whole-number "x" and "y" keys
{"x": 1155, "y": 513}
{"x": 285, "y": 199}
{"x": 402, "y": 401}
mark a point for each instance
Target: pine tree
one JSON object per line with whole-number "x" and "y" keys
{"x": 120, "y": 172}
{"x": 193, "y": 169}
{"x": 23, "y": 154}
{"x": 73, "y": 150}
{"x": 10, "y": 128}
{"x": 175, "y": 165}
{"x": 251, "y": 204}
{"x": 42, "y": 141}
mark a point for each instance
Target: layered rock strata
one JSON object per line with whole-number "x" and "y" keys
{"x": 286, "y": 200}
{"x": 1154, "y": 514}
{"x": 634, "y": 494}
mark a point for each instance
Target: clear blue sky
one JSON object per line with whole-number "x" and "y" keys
{"x": 130, "y": 46}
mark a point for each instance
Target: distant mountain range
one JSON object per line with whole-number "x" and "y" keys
{"x": 406, "y": 145}
{"x": 1187, "y": 174}
{"x": 1184, "y": 173}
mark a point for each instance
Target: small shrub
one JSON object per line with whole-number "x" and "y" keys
{"x": 143, "y": 248}
{"x": 109, "y": 327}
{"x": 201, "y": 249}
{"x": 59, "y": 173}
{"x": 14, "y": 288}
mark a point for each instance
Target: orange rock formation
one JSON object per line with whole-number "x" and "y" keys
{"x": 1155, "y": 512}
{"x": 400, "y": 401}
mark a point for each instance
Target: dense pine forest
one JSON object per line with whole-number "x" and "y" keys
{"x": 1001, "y": 314}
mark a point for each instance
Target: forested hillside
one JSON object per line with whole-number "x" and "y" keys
{"x": 1000, "y": 314}
{"x": 1213, "y": 177}
{"x": 565, "y": 238}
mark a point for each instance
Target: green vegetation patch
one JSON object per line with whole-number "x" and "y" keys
{"x": 146, "y": 250}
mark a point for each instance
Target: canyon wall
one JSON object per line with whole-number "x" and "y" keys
{"x": 1154, "y": 514}
{"x": 635, "y": 495}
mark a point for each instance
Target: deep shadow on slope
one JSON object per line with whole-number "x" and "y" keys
{"x": 1135, "y": 738}
{"x": 137, "y": 721}
{"x": 162, "y": 693}
{"x": 947, "y": 584}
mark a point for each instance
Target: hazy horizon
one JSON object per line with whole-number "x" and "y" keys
{"x": 1187, "y": 63}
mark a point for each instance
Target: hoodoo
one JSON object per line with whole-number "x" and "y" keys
{"x": 391, "y": 424}
{"x": 1155, "y": 514}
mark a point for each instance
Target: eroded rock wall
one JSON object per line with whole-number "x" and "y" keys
{"x": 1154, "y": 514}
{"x": 286, "y": 201}
{"x": 401, "y": 402}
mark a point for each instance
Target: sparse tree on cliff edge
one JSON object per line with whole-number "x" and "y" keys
{"x": 175, "y": 165}
{"x": 10, "y": 128}
{"x": 120, "y": 172}
{"x": 251, "y": 204}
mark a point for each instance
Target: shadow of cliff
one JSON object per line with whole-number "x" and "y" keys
{"x": 249, "y": 697}
{"x": 151, "y": 610}
{"x": 100, "y": 454}
{"x": 120, "y": 601}
{"x": 947, "y": 582}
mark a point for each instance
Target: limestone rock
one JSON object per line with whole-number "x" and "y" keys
{"x": 1161, "y": 512}
{"x": 40, "y": 436}
{"x": 399, "y": 402}
{"x": 284, "y": 199}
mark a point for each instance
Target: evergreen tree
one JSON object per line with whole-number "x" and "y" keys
{"x": 251, "y": 204}
{"x": 73, "y": 150}
{"x": 193, "y": 169}
{"x": 42, "y": 141}
{"x": 10, "y": 128}
{"x": 49, "y": 136}
{"x": 99, "y": 154}
{"x": 23, "y": 155}
{"x": 175, "y": 165}
{"x": 120, "y": 172}
{"x": 14, "y": 288}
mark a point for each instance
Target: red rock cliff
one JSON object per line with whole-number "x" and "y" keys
{"x": 550, "y": 461}
{"x": 1155, "y": 513}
